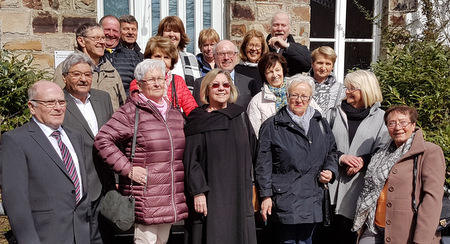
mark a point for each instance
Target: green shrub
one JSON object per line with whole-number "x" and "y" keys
{"x": 418, "y": 75}
{"x": 16, "y": 76}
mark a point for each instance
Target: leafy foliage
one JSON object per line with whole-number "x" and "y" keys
{"x": 16, "y": 76}
{"x": 418, "y": 75}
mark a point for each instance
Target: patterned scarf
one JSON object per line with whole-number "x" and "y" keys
{"x": 374, "y": 181}
{"x": 280, "y": 94}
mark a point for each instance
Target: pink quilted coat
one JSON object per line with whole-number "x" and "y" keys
{"x": 159, "y": 149}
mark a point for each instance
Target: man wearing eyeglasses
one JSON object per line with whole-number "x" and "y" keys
{"x": 225, "y": 58}
{"x": 87, "y": 111}
{"x": 127, "y": 53}
{"x": 281, "y": 41}
{"x": 91, "y": 41}
{"x": 43, "y": 174}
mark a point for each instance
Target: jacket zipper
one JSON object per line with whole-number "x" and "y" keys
{"x": 172, "y": 169}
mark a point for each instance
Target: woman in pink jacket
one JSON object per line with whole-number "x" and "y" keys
{"x": 177, "y": 91}
{"x": 157, "y": 171}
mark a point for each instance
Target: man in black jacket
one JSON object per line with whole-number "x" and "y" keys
{"x": 281, "y": 41}
{"x": 127, "y": 54}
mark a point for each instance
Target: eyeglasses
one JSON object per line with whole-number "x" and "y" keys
{"x": 153, "y": 81}
{"x": 253, "y": 46}
{"x": 51, "y": 103}
{"x": 393, "y": 124}
{"x": 230, "y": 54}
{"x": 217, "y": 85}
{"x": 352, "y": 89}
{"x": 77, "y": 75}
{"x": 96, "y": 39}
{"x": 296, "y": 96}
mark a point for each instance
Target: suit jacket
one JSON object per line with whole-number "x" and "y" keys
{"x": 98, "y": 173}
{"x": 38, "y": 193}
{"x": 247, "y": 87}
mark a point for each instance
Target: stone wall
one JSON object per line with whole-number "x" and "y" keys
{"x": 43, "y": 26}
{"x": 245, "y": 15}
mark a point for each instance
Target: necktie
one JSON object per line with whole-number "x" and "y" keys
{"x": 68, "y": 162}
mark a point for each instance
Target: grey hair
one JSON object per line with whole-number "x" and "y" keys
{"x": 76, "y": 58}
{"x": 281, "y": 12}
{"x": 297, "y": 79}
{"x": 148, "y": 65}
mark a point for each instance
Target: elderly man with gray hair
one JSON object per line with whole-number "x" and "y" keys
{"x": 297, "y": 153}
{"x": 87, "y": 111}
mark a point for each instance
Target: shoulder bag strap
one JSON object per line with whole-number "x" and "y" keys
{"x": 133, "y": 146}
{"x": 414, "y": 203}
{"x": 174, "y": 93}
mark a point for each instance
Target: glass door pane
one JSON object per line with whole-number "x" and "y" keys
{"x": 357, "y": 26}
{"x": 357, "y": 55}
{"x": 322, "y": 18}
{"x": 115, "y": 7}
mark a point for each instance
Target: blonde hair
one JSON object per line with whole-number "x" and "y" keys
{"x": 209, "y": 78}
{"x": 369, "y": 85}
{"x": 326, "y": 51}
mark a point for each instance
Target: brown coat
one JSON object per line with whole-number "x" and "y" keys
{"x": 401, "y": 224}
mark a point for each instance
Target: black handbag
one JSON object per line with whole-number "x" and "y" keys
{"x": 444, "y": 221}
{"x": 114, "y": 206}
{"x": 326, "y": 207}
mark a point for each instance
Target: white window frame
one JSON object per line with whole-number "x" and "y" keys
{"x": 340, "y": 40}
{"x": 141, "y": 10}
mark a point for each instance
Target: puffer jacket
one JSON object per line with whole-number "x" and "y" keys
{"x": 159, "y": 149}
{"x": 288, "y": 166}
{"x": 185, "y": 99}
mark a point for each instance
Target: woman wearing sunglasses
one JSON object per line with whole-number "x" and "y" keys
{"x": 218, "y": 162}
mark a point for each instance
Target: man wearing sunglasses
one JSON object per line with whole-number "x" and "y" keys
{"x": 43, "y": 174}
{"x": 91, "y": 41}
{"x": 225, "y": 57}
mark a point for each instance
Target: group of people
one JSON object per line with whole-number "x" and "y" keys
{"x": 208, "y": 128}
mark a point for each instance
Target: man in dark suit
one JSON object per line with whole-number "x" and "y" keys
{"x": 43, "y": 174}
{"x": 225, "y": 56}
{"x": 87, "y": 111}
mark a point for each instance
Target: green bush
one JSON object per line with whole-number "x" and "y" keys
{"x": 418, "y": 75}
{"x": 16, "y": 76}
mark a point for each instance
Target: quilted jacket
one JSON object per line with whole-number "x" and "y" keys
{"x": 159, "y": 149}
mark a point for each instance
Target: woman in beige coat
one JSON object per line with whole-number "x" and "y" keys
{"x": 385, "y": 212}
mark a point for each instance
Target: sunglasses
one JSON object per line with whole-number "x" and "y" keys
{"x": 216, "y": 85}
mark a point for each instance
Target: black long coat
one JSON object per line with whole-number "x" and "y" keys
{"x": 218, "y": 162}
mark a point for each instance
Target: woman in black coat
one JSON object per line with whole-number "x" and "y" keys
{"x": 296, "y": 151}
{"x": 218, "y": 164}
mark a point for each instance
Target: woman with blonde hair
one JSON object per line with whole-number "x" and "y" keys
{"x": 220, "y": 148}
{"x": 359, "y": 131}
{"x": 207, "y": 38}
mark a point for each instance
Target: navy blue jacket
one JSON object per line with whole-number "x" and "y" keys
{"x": 288, "y": 166}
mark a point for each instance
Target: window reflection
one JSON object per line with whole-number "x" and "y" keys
{"x": 357, "y": 55}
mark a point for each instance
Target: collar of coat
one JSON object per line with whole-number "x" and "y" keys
{"x": 282, "y": 118}
{"x": 199, "y": 120}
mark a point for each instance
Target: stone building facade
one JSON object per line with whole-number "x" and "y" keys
{"x": 43, "y": 26}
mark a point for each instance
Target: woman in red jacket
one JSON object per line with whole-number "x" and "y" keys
{"x": 157, "y": 171}
{"x": 177, "y": 92}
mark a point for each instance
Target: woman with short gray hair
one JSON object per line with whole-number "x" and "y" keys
{"x": 296, "y": 154}
{"x": 157, "y": 170}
